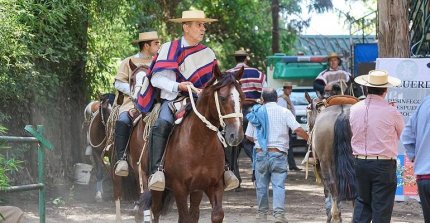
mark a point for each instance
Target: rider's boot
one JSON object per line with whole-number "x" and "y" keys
{"x": 230, "y": 180}
{"x": 122, "y": 134}
{"x": 158, "y": 140}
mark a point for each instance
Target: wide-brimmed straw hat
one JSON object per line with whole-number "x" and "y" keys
{"x": 240, "y": 52}
{"x": 333, "y": 55}
{"x": 379, "y": 79}
{"x": 287, "y": 84}
{"x": 146, "y": 36}
{"x": 193, "y": 15}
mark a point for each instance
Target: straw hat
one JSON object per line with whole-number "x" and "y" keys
{"x": 240, "y": 52}
{"x": 288, "y": 84}
{"x": 332, "y": 55}
{"x": 378, "y": 78}
{"x": 146, "y": 36}
{"x": 193, "y": 15}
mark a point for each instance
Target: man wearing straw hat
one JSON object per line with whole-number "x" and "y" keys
{"x": 332, "y": 75}
{"x": 179, "y": 63}
{"x": 149, "y": 44}
{"x": 252, "y": 83}
{"x": 376, "y": 126}
{"x": 285, "y": 101}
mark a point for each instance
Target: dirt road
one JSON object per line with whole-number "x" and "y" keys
{"x": 304, "y": 203}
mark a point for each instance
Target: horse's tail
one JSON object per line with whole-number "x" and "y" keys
{"x": 344, "y": 160}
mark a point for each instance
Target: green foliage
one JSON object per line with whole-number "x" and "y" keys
{"x": 7, "y": 165}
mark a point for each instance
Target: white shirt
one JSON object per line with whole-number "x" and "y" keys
{"x": 166, "y": 80}
{"x": 280, "y": 119}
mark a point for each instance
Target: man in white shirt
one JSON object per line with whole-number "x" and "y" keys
{"x": 269, "y": 125}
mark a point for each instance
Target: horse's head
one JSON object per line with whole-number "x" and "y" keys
{"x": 106, "y": 101}
{"x": 356, "y": 90}
{"x": 312, "y": 110}
{"x": 346, "y": 88}
{"x": 224, "y": 97}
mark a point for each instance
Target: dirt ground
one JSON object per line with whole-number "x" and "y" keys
{"x": 304, "y": 203}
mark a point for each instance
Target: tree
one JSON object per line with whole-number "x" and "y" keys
{"x": 393, "y": 33}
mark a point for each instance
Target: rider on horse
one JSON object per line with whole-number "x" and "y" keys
{"x": 149, "y": 44}
{"x": 331, "y": 76}
{"x": 179, "y": 63}
{"x": 252, "y": 83}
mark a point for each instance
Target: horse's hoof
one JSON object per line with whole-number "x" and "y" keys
{"x": 99, "y": 197}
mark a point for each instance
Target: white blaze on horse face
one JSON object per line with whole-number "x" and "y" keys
{"x": 236, "y": 100}
{"x": 139, "y": 81}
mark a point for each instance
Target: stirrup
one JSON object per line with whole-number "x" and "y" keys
{"x": 157, "y": 181}
{"x": 230, "y": 180}
{"x": 121, "y": 168}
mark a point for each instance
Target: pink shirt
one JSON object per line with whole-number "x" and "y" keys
{"x": 376, "y": 127}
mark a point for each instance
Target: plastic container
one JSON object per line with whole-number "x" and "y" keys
{"x": 82, "y": 173}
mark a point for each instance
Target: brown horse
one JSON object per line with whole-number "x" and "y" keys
{"x": 96, "y": 115}
{"x": 331, "y": 145}
{"x": 194, "y": 156}
{"x": 133, "y": 186}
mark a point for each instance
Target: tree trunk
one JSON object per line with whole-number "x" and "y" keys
{"x": 393, "y": 33}
{"x": 275, "y": 26}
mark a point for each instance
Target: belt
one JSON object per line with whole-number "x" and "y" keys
{"x": 270, "y": 149}
{"x": 423, "y": 177}
{"x": 363, "y": 157}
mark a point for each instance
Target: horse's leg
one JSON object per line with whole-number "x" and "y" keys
{"x": 157, "y": 204}
{"x": 195, "y": 199}
{"x": 181, "y": 196}
{"x": 117, "y": 187}
{"x": 99, "y": 176}
{"x": 215, "y": 196}
{"x": 335, "y": 210}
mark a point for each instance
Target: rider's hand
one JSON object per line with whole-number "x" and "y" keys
{"x": 183, "y": 86}
{"x": 328, "y": 87}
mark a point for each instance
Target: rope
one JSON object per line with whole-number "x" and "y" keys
{"x": 150, "y": 121}
{"x": 89, "y": 130}
{"x": 203, "y": 118}
{"x": 110, "y": 127}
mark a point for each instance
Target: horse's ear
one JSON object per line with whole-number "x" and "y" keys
{"x": 217, "y": 72}
{"x": 308, "y": 98}
{"x": 239, "y": 73}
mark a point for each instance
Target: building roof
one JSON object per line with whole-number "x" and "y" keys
{"x": 323, "y": 45}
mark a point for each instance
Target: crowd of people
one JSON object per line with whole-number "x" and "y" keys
{"x": 376, "y": 125}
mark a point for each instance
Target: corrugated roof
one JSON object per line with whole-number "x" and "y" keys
{"x": 323, "y": 45}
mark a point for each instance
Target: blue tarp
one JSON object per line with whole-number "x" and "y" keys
{"x": 364, "y": 53}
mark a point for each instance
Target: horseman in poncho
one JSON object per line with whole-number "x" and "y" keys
{"x": 179, "y": 63}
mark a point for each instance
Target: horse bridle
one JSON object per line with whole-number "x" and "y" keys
{"x": 220, "y": 116}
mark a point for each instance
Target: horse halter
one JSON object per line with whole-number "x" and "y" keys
{"x": 220, "y": 116}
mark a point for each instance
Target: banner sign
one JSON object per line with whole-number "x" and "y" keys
{"x": 415, "y": 76}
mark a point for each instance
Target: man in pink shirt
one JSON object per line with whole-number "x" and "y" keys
{"x": 376, "y": 126}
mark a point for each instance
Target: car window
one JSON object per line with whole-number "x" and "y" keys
{"x": 298, "y": 98}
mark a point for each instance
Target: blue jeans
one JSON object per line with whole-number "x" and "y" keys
{"x": 124, "y": 118}
{"x": 165, "y": 112}
{"x": 424, "y": 192}
{"x": 271, "y": 167}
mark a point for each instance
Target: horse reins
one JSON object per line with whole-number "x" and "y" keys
{"x": 220, "y": 116}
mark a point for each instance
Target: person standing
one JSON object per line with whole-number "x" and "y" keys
{"x": 252, "y": 83}
{"x": 285, "y": 101}
{"x": 269, "y": 125}
{"x": 149, "y": 44}
{"x": 376, "y": 126}
{"x": 332, "y": 75}
{"x": 416, "y": 139}
{"x": 179, "y": 63}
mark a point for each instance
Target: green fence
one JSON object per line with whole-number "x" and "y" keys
{"x": 42, "y": 144}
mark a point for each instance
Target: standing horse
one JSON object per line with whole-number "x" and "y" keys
{"x": 331, "y": 145}
{"x": 194, "y": 156}
{"x": 96, "y": 115}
